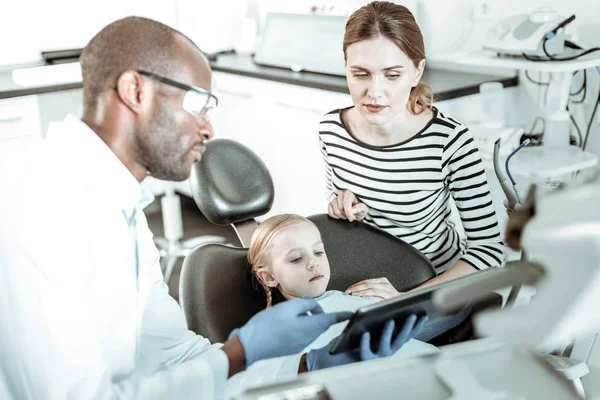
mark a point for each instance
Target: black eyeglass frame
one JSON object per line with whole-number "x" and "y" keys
{"x": 180, "y": 85}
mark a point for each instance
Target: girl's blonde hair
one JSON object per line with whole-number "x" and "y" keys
{"x": 396, "y": 23}
{"x": 262, "y": 242}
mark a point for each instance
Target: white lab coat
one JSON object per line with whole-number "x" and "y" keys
{"x": 81, "y": 316}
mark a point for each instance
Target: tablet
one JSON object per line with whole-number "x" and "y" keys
{"x": 372, "y": 318}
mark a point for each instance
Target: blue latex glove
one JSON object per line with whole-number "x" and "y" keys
{"x": 321, "y": 358}
{"x": 285, "y": 329}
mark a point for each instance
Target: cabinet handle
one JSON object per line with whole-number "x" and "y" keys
{"x": 10, "y": 120}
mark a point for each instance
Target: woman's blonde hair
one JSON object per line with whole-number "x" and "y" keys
{"x": 262, "y": 242}
{"x": 396, "y": 23}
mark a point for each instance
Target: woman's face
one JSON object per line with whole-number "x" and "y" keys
{"x": 380, "y": 77}
{"x": 298, "y": 265}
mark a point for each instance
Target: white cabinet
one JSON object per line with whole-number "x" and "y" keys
{"x": 279, "y": 122}
{"x": 20, "y": 125}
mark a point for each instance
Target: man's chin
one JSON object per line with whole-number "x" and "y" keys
{"x": 175, "y": 176}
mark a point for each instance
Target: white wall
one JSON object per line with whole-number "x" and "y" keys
{"x": 28, "y": 27}
{"x": 214, "y": 25}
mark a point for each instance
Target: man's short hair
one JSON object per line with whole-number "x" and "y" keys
{"x": 129, "y": 43}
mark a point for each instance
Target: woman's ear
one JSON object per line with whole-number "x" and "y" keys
{"x": 419, "y": 72}
{"x": 266, "y": 277}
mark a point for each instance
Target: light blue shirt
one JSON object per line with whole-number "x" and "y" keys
{"x": 84, "y": 312}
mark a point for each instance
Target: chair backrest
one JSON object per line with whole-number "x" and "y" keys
{"x": 231, "y": 183}
{"x": 218, "y": 294}
{"x": 357, "y": 251}
{"x": 216, "y": 291}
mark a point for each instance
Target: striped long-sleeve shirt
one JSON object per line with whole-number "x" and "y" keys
{"x": 407, "y": 187}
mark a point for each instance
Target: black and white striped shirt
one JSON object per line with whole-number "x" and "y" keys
{"x": 408, "y": 185}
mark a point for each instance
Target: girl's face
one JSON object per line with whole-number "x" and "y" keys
{"x": 298, "y": 265}
{"x": 380, "y": 77}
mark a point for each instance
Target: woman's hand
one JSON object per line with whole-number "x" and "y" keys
{"x": 376, "y": 290}
{"x": 347, "y": 206}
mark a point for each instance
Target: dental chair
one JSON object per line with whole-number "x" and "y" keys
{"x": 232, "y": 186}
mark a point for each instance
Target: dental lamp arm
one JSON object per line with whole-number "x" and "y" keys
{"x": 480, "y": 285}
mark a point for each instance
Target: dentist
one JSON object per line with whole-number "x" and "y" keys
{"x": 84, "y": 313}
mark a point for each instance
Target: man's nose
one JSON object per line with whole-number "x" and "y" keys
{"x": 207, "y": 131}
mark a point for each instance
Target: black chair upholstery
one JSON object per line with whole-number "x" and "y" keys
{"x": 231, "y": 183}
{"x": 218, "y": 294}
{"x": 216, "y": 291}
{"x": 357, "y": 251}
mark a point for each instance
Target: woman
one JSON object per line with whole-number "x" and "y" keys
{"x": 394, "y": 160}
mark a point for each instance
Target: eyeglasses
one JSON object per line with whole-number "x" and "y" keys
{"x": 197, "y": 101}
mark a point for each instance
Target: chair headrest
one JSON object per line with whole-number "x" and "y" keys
{"x": 231, "y": 183}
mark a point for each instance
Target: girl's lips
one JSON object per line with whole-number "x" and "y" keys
{"x": 316, "y": 278}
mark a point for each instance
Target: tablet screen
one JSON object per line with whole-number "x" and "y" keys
{"x": 373, "y": 317}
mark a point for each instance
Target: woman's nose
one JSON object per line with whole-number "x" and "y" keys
{"x": 375, "y": 90}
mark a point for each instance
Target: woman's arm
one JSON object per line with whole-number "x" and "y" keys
{"x": 459, "y": 269}
{"x": 466, "y": 181}
{"x": 379, "y": 289}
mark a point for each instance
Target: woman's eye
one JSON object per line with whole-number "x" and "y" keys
{"x": 360, "y": 76}
{"x": 393, "y": 76}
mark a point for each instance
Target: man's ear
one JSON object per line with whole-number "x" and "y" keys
{"x": 131, "y": 90}
{"x": 266, "y": 277}
{"x": 419, "y": 73}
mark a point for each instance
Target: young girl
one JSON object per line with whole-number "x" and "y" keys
{"x": 289, "y": 260}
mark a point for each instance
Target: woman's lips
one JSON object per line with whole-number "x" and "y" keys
{"x": 316, "y": 278}
{"x": 374, "y": 108}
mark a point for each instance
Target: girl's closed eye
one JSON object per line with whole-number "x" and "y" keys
{"x": 319, "y": 253}
{"x": 296, "y": 260}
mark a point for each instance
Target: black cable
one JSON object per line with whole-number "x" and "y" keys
{"x": 540, "y": 59}
{"x": 572, "y": 45}
{"x": 534, "y": 81}
{"x": 535, "y": 121}
{"x": 589, "y": 127}
{"x": 582, "y": 85}
{"x": 544, "y": 48}
{"x": 583, "y": 88}
{"x": 579, "y": 137}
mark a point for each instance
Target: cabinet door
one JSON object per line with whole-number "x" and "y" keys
{"x": 19, "y": 125}
{"x": 279, "y": 122}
